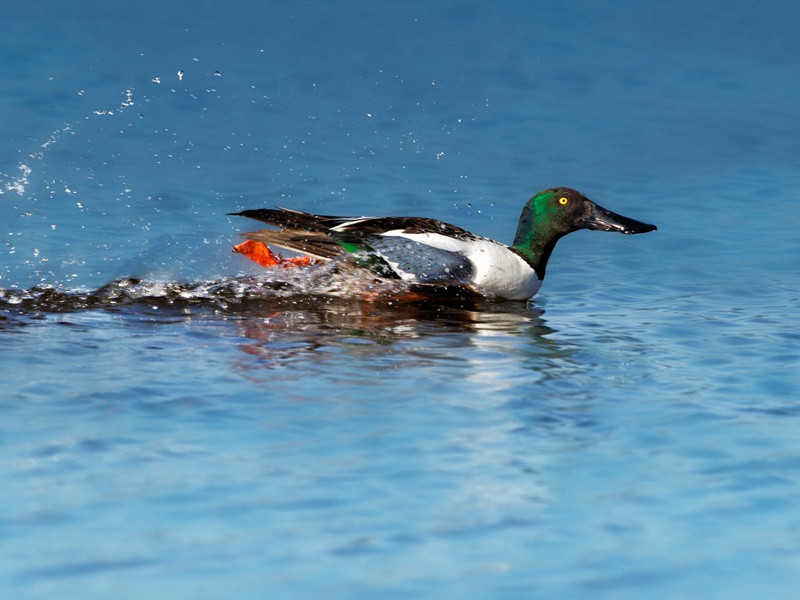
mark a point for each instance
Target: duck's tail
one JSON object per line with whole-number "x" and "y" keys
{"x": 299, "y": 232}
{"x": 310, "y": 243}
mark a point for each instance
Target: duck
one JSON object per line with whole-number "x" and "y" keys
{"x": 428, "y": 252}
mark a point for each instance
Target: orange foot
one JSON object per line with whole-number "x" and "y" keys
{"x": 258, "y": 252}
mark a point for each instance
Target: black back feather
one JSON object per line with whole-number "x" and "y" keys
{"x": 356, "y": 226}
{"x": 286, "y": 218}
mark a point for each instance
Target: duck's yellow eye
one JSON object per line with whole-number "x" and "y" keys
{"x": 562, "y": 201}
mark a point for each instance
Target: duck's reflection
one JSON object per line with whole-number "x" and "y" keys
{"x": 279, "y": 332}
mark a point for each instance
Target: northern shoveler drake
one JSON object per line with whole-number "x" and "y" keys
{"x": 426, "y": 251}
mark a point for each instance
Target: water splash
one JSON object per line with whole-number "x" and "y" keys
{"x": 324, "y": 283}
{"x": 271, "y": 311}
{"x": 128, "y": 102}
{"x": 16, "y": 183}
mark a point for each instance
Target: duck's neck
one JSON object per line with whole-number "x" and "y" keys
{"x": 535, "y": 241}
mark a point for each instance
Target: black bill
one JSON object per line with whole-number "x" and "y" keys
{"x": 604, "y": 220}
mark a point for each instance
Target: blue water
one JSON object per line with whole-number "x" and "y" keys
{"x": 633, "y": 432}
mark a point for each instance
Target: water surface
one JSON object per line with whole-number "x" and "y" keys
{"x": 176, "y": 426}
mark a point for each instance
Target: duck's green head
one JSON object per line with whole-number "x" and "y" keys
{"x": 553, "y": 213}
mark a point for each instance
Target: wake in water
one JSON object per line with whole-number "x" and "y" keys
{"x": 299, "y": 287}
{"x": 288, "y": 312}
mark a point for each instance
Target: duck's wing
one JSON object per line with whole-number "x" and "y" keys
{"x": 287, "y": 218}
{"x": 412, "y": 258}
{"x": 418, "y": 261}
{"x": 398, "y": 225}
